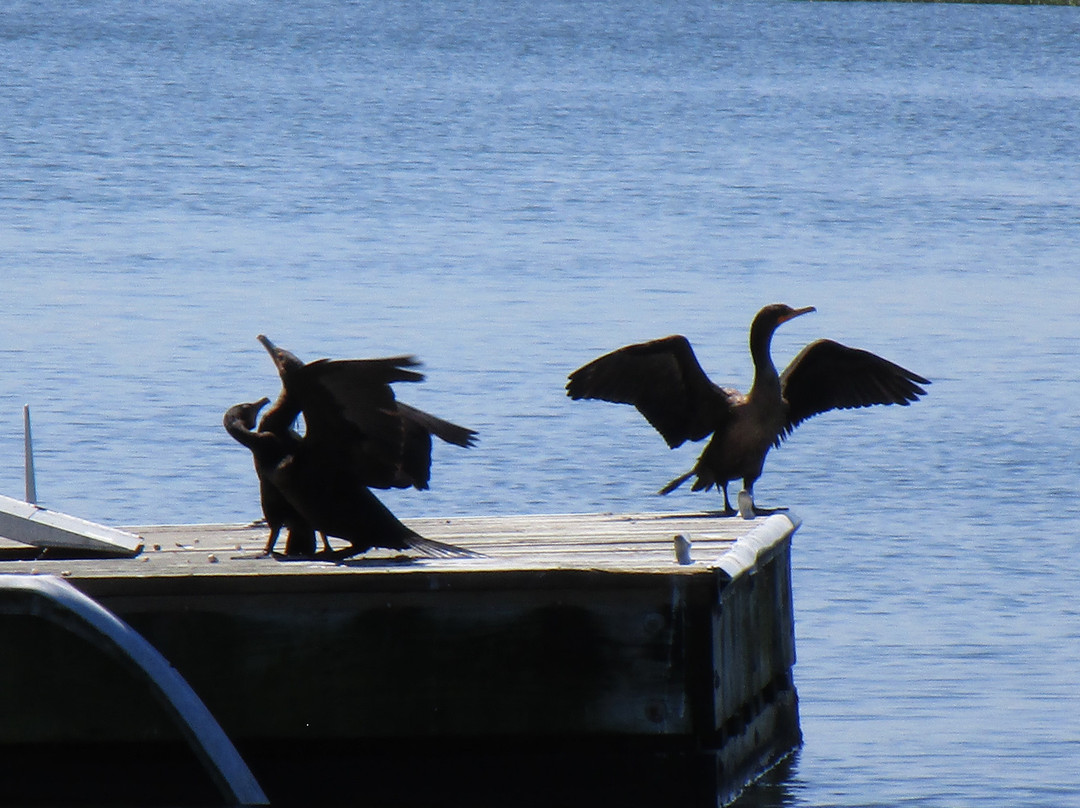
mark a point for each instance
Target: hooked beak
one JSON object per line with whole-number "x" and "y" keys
{"x": 253, "y": 410}
{"x": 796, "y": 313}
{"x": 274, "y": 351}
{"x": 266, "y": 343}
{"x": 246, "y": 414}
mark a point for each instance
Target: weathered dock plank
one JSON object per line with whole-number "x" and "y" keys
{"x": 569, "y": 638}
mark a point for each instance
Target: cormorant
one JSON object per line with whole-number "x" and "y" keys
{"x": 270, "y": 444}
{"x": 663, "y": 379}
{"x": 356, "y": 436}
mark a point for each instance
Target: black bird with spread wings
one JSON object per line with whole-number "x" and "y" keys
{"x": 663, "y": 379}
{"x": 357, "y": 436}
{"x": 349, "y": 407}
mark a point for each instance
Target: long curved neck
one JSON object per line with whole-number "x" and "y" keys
{"x": 281, "y": 415}
{"x": 240, "y": 432}
{"x": 766, "y": 379}
{"x": 265, "y": 447}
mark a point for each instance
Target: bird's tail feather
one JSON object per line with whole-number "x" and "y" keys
{"x": 437, "y": 549}
{"x": 451, "y": 433}
{"x": 667, "y": 489}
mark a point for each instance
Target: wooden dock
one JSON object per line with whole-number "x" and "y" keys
{"x": 575, "y": 660}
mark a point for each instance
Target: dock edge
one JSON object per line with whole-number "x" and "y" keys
{"x": 755, "y": 701}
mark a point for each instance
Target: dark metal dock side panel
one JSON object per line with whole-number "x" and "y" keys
{"x": 579, "y": 656}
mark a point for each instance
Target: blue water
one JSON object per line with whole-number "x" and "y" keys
{"x": 508, "y": 189}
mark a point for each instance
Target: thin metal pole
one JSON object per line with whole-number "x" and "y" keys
{"x": 28, "y": 449}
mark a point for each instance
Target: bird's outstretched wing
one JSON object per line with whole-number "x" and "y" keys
{"x": 414, "y": 461}
{"x": 351, "y": 409}
{"x": 341, "y": 396}
{"x": 351, "y": 418}
{"x": 829, "y": 376}
{"x": 664, "y": 380}
{"x": 451, "y": 433}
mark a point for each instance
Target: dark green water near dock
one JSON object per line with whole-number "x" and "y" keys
{"x": 510, "y": 189}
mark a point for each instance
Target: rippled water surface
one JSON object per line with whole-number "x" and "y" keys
{"x": 509, "y": 189}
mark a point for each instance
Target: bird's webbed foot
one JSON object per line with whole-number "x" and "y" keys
{"x": 287, "y": 556}
{"x": 728, "y": 510}
{"x": 769, "y": 511}
{"x": 271, "y": 540}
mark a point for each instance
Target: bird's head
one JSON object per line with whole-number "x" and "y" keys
{"x": 769, "y": 318}
{"x": 778, "y": 313}
{"x": 284, "y": 361}
{"x": 245, "y": 414}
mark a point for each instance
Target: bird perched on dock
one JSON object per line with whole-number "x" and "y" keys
{"x": 357, "y": 436}
{"x": 304, "y": 490}
{"x": 663, "y": 379}
{"x": 270, "y": 444}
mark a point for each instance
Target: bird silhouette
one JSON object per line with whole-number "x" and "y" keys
{"x": 664, "y": 380}
{"x": 356, "y": 436}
